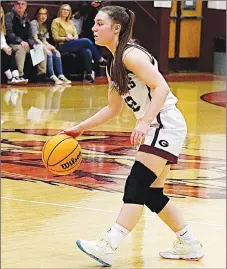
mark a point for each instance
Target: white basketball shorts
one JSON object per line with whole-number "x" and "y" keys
{"x": 166, "y": 135}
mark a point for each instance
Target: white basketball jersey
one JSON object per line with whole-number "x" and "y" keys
{"x": 139, "y": 96}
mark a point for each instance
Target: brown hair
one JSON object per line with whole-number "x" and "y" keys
{"x": 38, "y": 10}
{"x": 3, "y": 28}
{"x": 125, "y": 18}
{"x": 46, "y": 23}
{"x": 70, "y": 11}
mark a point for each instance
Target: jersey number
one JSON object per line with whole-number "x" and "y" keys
{"x": 131, "y": 83}
{"x": 132, "y": 104}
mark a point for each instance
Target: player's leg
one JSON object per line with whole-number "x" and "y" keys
{"x": 186, "y": 246}
{"x": 164, "y": 207}
{"x": 143, "y": 173}
{"x": 167, "y": 141}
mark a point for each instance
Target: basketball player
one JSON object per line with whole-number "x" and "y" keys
{"x": 159, "y": 135}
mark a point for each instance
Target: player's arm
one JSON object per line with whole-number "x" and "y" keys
{"x": 139, "y": 63}
{"x": 114, "y": 107}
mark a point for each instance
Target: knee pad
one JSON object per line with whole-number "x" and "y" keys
{"x": 156, "y": 200}
{"x": 137, "y": 184}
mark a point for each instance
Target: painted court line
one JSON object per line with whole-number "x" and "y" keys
{"x": 92, "y": 209}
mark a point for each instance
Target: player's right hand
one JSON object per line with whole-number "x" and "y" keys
{"x": 74, "y": 131}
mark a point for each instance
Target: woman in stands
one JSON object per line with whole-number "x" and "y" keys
{"x": 65, "y": 35}
{"x": 9, "y": 66}
{"x": 40, "y": 34}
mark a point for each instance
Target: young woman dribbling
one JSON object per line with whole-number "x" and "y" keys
{"x": 159, "y": 136}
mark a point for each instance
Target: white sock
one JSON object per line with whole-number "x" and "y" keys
{"x": 15, "y": 73}
{"x": 61, "y": 76}
{"x": 9, "y": 74}
{"x": 186, "y": 235}
{"x": 117, "y": 234}
{"x": 54, "y": 78}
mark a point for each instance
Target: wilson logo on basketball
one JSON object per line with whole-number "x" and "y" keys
{"x": 107, "y": 160}
{"x": 61, "y": 149}
{"x": 71, "y": 162}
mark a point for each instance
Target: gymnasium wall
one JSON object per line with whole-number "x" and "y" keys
{"x": 155, "y": 32}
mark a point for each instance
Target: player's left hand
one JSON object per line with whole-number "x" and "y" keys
{"x": 139, "y": 133}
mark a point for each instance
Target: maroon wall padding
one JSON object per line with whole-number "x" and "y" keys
{"x": 213, "y": 26}
{"x": 153, "y": 34}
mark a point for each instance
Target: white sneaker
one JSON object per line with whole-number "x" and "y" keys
{"x": 183, "y": 250}
{"x": 12, "y": 81}
{"x": 64, "y": 79}
{"x": 18, "y": 81}
{"x": 100, "y": 249}
{"x": 21, "y": 80}
{"x": 56, "y": 80}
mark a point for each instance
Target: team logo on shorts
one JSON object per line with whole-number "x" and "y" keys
{"x": 164, "y": 143}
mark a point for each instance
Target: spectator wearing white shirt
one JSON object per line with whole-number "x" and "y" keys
{"x": 8, "y": 58}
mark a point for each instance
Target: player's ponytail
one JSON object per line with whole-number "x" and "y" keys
{"x": 125, "y": 18}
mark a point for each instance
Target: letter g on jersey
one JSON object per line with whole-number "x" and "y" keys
{"x": 164, "y": 143}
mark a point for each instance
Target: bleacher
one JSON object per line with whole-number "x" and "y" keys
{"x": 73, "y": 64}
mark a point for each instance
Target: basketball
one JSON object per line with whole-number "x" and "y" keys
{"x": 62, "y": 154}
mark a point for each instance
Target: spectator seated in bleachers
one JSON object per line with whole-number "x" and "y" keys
{"x": 9, "y": 66}
{"x": 78, "y": 20}
{"x": 19, "y": 37}
{"x": 89, "y": 10}
{"x": 41, "y": 34}
{"x": 65, "y": 35}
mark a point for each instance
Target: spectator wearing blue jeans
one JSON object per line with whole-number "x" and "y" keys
{"x": 65, "y": 35}
{"x": 40, "y": 34}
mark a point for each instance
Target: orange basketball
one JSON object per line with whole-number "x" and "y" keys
{"x": 62, "y": 154}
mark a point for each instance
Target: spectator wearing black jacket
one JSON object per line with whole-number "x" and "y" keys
{"x": 89, "y": 10}
{"x": 19, "y": 37}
